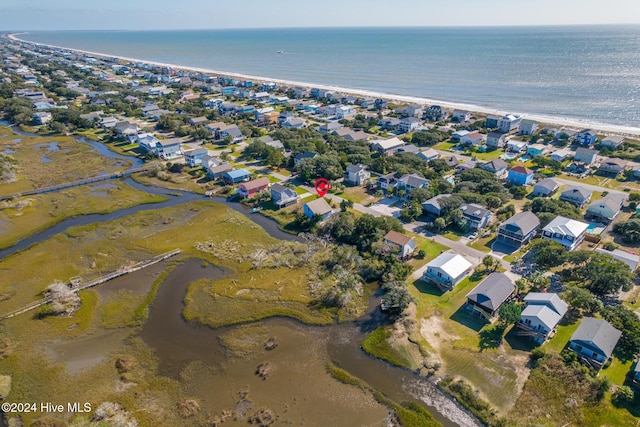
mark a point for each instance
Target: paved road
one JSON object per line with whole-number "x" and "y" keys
{"x": 589, "y": 186}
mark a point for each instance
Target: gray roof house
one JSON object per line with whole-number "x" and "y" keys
{"x": 357, "y": 174}
{"x": 485, "y": 299}
{"x": 594, "y": 341}
{"x": 575, "y": 195}
{"x": 432, "y": 206}
{"x": 446, "y": 270}
{"x": 568, "y": 232}
{"x": 495, "y": 140}
{"x": 412, "y": 181}
{"x": 498, "y": 167}
{"x": 318, "y": 207}
{"x": 387, "y": 147}
{"x": 613, "y": 166}
{"x": 605, "y": 209}
{"x": 477, "y": 216}
{"x": 585, "y": 155}
{"x": 540, "y": 317}
{"x": 612, "y": 141}
{"x": 283, "y": 196}
{"x": 428, "y": 154}
{"x": 545, "y": 188}
{"x": 518, "y": 229}
{"x": 631, "y": 260}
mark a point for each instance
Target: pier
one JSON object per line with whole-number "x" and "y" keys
{"x": 77, "y": 285}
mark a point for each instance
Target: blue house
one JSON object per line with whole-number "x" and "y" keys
{"x": 520, "y": 175}
{"x": 194, "y": 157}
{"x": 236, "y": 176}
{"x": 229, "y": 90}
{"x": 318, "y": 207}
{"x": 586, "y": 137}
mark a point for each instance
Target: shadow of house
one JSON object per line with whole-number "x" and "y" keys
{"x": 465, "y": 318}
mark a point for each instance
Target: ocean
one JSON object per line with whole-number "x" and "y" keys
{"x": 587, "y": 74}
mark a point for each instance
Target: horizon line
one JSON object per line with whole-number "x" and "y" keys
{"x": 333, "y": 27}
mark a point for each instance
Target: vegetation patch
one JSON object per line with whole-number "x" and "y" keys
{"x": 376, "y": 345}
{"x": 464, "y": 394}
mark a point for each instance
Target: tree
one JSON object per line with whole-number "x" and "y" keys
{"x": 629, "y": 230}
{"x": 539, "y": 281}
{"x": 581, "y": 300}
{"x": 439, "y": 223}
{"x": 601, "y": 273}
{"x": 345, "y": 204}
{"x": 628, "y": 322}
{"x": 547, "y": 253}
{"x": 396, "y": 297}
{"x": 63, "y": 299}
{"x": 490, "y": 263}
{"x": 518, "y": 191}
{"x": 521, "y": 285}
{"x": 509, "y": 313}
{"x": 623, "y": 396}
{"x": 411, "y": 212}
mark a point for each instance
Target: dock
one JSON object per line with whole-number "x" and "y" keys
{"x": 76, "y": 284}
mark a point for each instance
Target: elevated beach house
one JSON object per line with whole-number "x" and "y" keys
{"x": 405, "y": 244}
{"x": 357, "y": 174}
{"x": 253, "y": 187}
{"x": 282, "y": 196}
{"x": 432, "y": 206}
{"x": 586, "y": 156}
{"x": 520, "y": 175}
{"x": 446, "y": 270}
{"x": 495, "y": 140}
{"x": 485, "y": 299}
{"x": 594, "y": 341}
{"x": 586, "y": 137}
{"x": 541, "y": 316}
{"x": 477, "y": 216}
{"x": 568, "y": 232}
{"x": 612, "y": 142}
{"x": 519, "y": 229}
{"x": 169, "y": 149}
{"x": 236, "y": 176}
{"x": 318, "y": 207}
{"x": 194, "y": 157}
{"x": 498, "y": 167}
{"x": 605, "y": 209}
{"x": 612, "y": 166}
{"x": 386, "y": 147}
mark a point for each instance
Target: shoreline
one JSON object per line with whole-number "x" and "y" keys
{"x": 573, "y": 123}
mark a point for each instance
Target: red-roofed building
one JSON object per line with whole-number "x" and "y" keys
{"x": 520, "y": 175}
{"x": 253, "y": 187}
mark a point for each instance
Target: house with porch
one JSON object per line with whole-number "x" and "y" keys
{"x": 194, "y": 157}
{"x": 509, "y": 122}
{"x": 408, "y": 124}
{"x": 485, "y": 299}
{"x": 541, "y": 316}
{"x": 473, "y": 139}
{"x": 169, "y": 149}
{"x": 432, "y": 206}
{"x": 357, "y": 174}
{"x": 476, "y": 216}
{"x": 612, "y": 142}
{"x": 586, "y": 156}
{"x": 527, "y": 127}
{"x": 217, "y": 171}
{"x": 236, "y": 176}
{"x": 253, "y": 187}
{"x": 329, "y": 127}
{"x": 412, "y": 181}
{"x": 498, "y": 167}
{"x": 586, "y": 137}
{"x": 461, "y": 116}
{"x": 613, "y": 166}
{"x": 389, "y": 123}
{"x": 283, "y": 196}
{"x": 561, "y": 155}
{"x": 386, "y": 147}
{"x": 566, "y": 231}
{"x": 447, "y": 270}
{"x": 435, "y": 113}
{"x": 519, "y": 229}
{"x": 387, "y": 182}
{"x": 495, "y": 140}
{"x": 594, "y": 341}
{"x": 515, "y": 146}
{"x": 405, "y": 244}
{"x": 577, "y": 196}
{"x": 605, "y": 209}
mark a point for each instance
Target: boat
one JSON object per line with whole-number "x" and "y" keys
{"x": 281, "y": 52}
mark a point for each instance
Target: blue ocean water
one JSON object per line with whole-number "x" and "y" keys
{"x": 589, "y": 73}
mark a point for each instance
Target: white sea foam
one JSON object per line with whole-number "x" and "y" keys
{"x": 546, "y": 119}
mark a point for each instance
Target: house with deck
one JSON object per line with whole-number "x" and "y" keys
{"x": 612, "y": 142}
{"x": 461, "y": 116}
{"x": 594, "y": 341}
{"x": 519, "y": 229}
{"x": 236, "y": 176}
{"x": 357, "y": 174}
{"x": 405, "y": 244}
{"x": 509, "y": 122}
{"x": 536, "y": 150}
{"x": 387, "y": 182}
{"x": 329, "y": 127}
{"x": 386, "y": 147}
{"x": 495, "y": 140}
{"x": 612, "y": 166}
{"x": 605, "y": 209}
{"x": 412, "y": 181}
{"x": 194, "y": 157}
{"x": 586, "y": 137}
{"x": 473, "y": 139}
{"x": 428, "y": 154}
{"x": 318, "y": 207}
{"x": 577, "y": 196}
{"x": 561, "y": 155}
{"x": 435, "y": 113}
{"x": 447, "y": 270}
{"x": 408, "y": 124}
{"x": 169, "y": 149}
{"x": 432, "y": 206}
{"x": 545, "y": 188}
{"x": 498, "y": 167}
{"x": 283, "y": 196}
{"x": 485, "y": 299}
{"x": 566, "y": 231}
{"x": 477, "y": 216}
{"x": 541, "y": 316}
{"x": 586, "y": 156}
{"x": 527, "y": 127}
{"x": 253, "y": 187}
{"x": 515, "y": 146}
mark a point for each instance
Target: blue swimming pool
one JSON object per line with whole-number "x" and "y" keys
{"x": 591, "y": 228}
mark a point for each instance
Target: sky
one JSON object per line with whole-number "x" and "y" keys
{"x": 211, "y": 14}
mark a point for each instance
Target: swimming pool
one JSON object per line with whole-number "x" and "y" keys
{"x": 591, "y": 228}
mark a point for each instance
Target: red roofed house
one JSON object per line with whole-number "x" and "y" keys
{"x": 406, "y": 244}
{"x": 253, "y": 187}
{"x": 520, "y": 175}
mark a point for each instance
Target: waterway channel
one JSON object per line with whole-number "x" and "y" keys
{"x": 178, "y": 343}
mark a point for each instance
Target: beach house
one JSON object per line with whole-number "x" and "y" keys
{"x": 485, "y": 299}
{"x": 585, "y": 155}
{"x": 357, "y": 174}
{"x": 236, "y": 176}
{"x": 612, "y": 142}
{"x": 594, "y": 341}
{"x": 253, "y": 187}
{"x": 586, "y": 137}
{"x": 169, "y": 149}
{"x": 432, "y": 206}
{"x": 498, "y": 167}
{"x": 541, "y": 316}
{"x": 568, "y": 232}
{"x": 605, "y": 209}
{"x": 194, "y": 157}
{"x": 473, "y": 138}
{"x": 519, "y": 229}
{"x": 461, "y": 116}
{"x": 536, "y": 150}
{"x": 317, "y": 208}
{"x": 283, "y": 196}
{"x": 509, "y": 122}
{"x": 520, "y": 175}
{"x": 575, "y": 195}
{"x": 386, "y": 147}
{"x": 405, "y": 244}
{"x": 612, "y": 166}
{"x": 528, "y": 127}
{"x": 446, "y": 270}
{"x": 561, "y": 155}
{"x": 495, "y": 140}
{"x": 545, "y": 188}
{"x": 428, "y": 154}
{"x": 477, "y": 216}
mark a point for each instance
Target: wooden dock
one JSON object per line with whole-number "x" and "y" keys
{"x": 78, "y": 183}
{"x": 76, "y": 282}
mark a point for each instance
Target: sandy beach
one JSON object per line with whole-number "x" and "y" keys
{"x": 548, "y": 120}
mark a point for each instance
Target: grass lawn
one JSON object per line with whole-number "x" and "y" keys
{"x": 300, "y": 191}
{"x": 445, "y": 146}
{"x": 432, "y": 250}
{"x": 272, "y": 179}
{"x": 452, "y": 235}
{"x": 483, "y": 244}
{"x": 355, "y": 194}
{"x": 489, "y": 155}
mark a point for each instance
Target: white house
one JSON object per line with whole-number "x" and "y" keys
{"x": 447, "y": 270}
{"x": 405, "y": 244}
{"x": 541, "y": 316}
{"x": 568, "y": 232}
